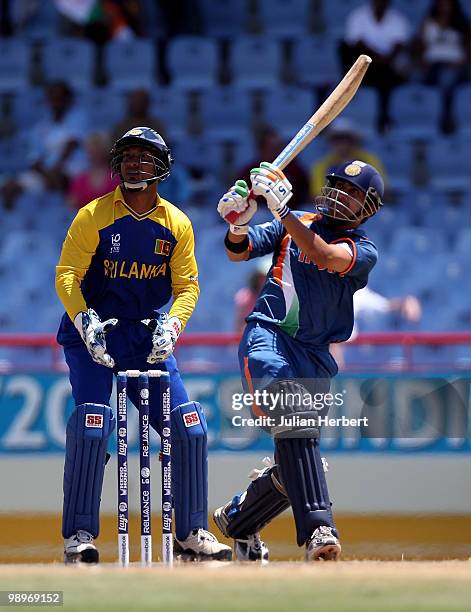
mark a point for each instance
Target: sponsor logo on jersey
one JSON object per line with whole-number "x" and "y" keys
{"x": 191, "y": 418}
{"x": 94, "y": 420}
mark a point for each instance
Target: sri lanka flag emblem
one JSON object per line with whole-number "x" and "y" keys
{"x": 162, "y": 247}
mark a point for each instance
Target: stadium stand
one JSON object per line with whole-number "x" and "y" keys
{"x": 427, "y": 214}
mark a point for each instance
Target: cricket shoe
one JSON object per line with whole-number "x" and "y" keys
{"x": 323, "y": 545}
{"x": 80, "y": 548}
{"x": 251, "y": 549}
{"x": 201, "y": 545}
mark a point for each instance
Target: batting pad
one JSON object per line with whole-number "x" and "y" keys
{"x": 303, "y": 477}
{"x": 88, "y": 430}
{"x": 248, "y": 513}
{"x": 189, "y": 468}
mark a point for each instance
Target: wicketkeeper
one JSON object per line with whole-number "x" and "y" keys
{"x": 125, "y": 256}
{"x": 319, "y": 261}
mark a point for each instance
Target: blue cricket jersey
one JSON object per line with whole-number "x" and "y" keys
{"x": 310, "y": 304}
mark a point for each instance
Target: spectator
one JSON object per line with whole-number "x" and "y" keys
{"x": 96, "y": 180}
{"x": 246, "y": 297}
{"x": 55, "y": 153}
{"x": 369, "y": 305}
{"x": 381, "y": 32}
{"x": 182, "y": 17}
{"x": 343, "y": 139}
{"x": 6, "y": 22}
{"x": 138, "y": 115}
{"x": 443, "y": 48}
{"x": 269, "y": 145}
{"x": 101, "y": 20}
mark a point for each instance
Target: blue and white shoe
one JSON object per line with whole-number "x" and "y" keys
{"x": 80, "y": 548}
{"x": 201, "y": 545}
{"x": 323, "y": 545}
{"x": 251, "y": 549}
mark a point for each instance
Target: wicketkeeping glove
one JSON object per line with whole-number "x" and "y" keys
{"x": 165, "y": 332}
{"x": 237, "y": 201}
{"x": 271, "y": 183}
{"x": 92, "y": 330}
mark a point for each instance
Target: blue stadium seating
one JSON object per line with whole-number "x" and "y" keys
{"x": 77, "y": 63}
{"x": 198, "y": 153}
{"x": 12, "y": 154}
{"x": 37, "y": 21}
{"x": 27, "y": 107}
{"x": 378, "y": 228}
{"x": 192, "y": 62}
{"x": 414, "y": 11}
{"x": 151, "y": 19}
{"x": 415, "y": 110}
{"x": 398, "y": 159}
{"x": 388, "y": 275}
{"x": 243, "y": 151}
{"x": 131, "y": 64}
{"x": 414, "y": 241}
{"x": 316, "y": 62}
{"x": 288, "y": 109}
{"x": 15, "y": 56}
{"x": 449, "y": 164}
{"x": 224, "y": 112}
{"x": 335, "y": 14}
{"x": 423, "y": 238}
{"x": 312, "y": 153}
{"x": 443, "y": 216}
{"x": 255, "y": 62}
{"x": 463, "y": 242}
{"x": 224, "y": 19}
{"x": 103, "y": 106}
{"x": 363, "y": 110}
{"x": 462, "y": 110}
{"x": 284, "y": 18}
{"x": 170, "y": 106}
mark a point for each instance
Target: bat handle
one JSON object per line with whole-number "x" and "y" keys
{"x": 233, "y": 215}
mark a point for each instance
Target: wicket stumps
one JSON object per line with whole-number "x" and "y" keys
{"x": 144, "y": 467}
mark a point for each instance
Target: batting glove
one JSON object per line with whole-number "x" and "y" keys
{"x": 271, "y": 183}
{"x": 238, "y": 202}
{"x": 165, "y": 334}
{"x": 92, "y": 331}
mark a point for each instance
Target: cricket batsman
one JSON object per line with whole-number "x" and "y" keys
{"x": 319, "y": 260}
{"x": 125, "y": 256}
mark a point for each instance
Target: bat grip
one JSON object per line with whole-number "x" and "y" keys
{"x": 233, "y": 215}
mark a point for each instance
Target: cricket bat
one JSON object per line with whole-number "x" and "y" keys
{"x": 323, "y": 116}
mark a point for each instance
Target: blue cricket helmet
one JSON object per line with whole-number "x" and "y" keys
{"x": 151, "y": 141}
{"x": 331, "y": 202}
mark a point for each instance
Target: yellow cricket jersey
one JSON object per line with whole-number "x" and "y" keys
{"x": 127, "y": 265}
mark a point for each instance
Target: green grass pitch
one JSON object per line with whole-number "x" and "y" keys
{"x": 294, "y": 587}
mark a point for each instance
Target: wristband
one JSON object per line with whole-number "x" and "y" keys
{"x": 238, "y": 230}
{"x": 284, "y": 212}
{"x": 236, "y": 247}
